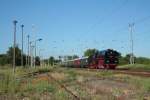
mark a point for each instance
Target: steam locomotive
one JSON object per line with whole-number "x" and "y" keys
{"x": 107, "y": 59}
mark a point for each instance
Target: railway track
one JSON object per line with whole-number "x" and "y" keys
{"x": 135, "y": 73}
{"x": 64, "y": 87}
{"x": 77, "y": 97}
{"x": 121, "y": 71}
{"x": 50, "y": 77}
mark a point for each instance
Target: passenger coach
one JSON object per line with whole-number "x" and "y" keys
{"x": 107, "y": 59}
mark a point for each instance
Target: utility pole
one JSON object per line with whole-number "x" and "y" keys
{"x": 32, "y": 57}
{"x": 22, "y": 47}
{"x": 35, "y": 54}
{"x": 40, "y": 39}
{"x": 14, "y": 64}
{"x": 40, "y": 55}
{"x": 28, "y": 59}
{"x": 131, "y": 41}
{"x": 34, "y": 38}
{"x": 30, "y": 54}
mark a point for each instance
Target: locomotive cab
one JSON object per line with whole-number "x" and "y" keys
{"x": 104, "y": 59}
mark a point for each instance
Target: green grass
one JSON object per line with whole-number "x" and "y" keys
{"x": 8, "y": 84}
{"x": 8, "y": 80}
{"x": 136, "y": 67}
{"x": 39, "y": 87}
{"x": 61, "y": 95}
{"x": 44, "y": 70}
{"x": 143, "y": 83}
{"x": 104, "y": 73}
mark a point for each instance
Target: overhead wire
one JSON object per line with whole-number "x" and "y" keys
{"x": 138, "y": 21}
{"x": 115, "y": 11}
{"x": 110, "y": 14}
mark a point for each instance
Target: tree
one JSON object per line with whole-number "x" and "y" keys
{"x": 51, "y": 60}
{"x": 142, "y": 60}
{"x": 75, "y": 56}
{"x": 60, "y": 57}
{"x": 90, "y": 52}
{"x": 10, "y": 55}
{"x": 3, "y": 59}
{"x": 69, "y": 58}
{"x": 37, "y": 60}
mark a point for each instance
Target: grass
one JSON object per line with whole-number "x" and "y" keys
{"x": 71, "y": 75}
{"x": 7, "y": 79}
{"x": 29, "y": 89}
{"x": 143, "y": 83}
{"x": 136, "y": 67}
{"x": 16, "y": 88}
{"x": 44, "y": 70}
{"x": 39, "y": 87}
{"x": 104, "y": 73}
{"x": 61, "y": 95}
{"x": 8, "y": 84}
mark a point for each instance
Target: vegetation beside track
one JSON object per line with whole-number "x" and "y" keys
{"x": 140, "y": 67}
{"x": 140, "y": 84}
{"x": 75, "y": 80}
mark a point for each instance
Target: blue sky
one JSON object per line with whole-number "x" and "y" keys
{"x": 70, "y": 26}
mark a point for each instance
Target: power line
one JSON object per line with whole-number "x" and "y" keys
{"x": 110, "y": 14}
{"x": 142, "y": 20}
{"x": 138, "y": 21}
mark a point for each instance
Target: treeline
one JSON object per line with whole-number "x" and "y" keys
{"x": 138, "y": 60}
{"x": 7, "y": 59}
{"x": 52, "y": 61}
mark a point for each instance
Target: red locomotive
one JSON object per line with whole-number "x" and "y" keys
{"x": 107, "y": 59}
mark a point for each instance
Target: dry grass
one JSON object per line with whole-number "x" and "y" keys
{"x": 91, "y": 85}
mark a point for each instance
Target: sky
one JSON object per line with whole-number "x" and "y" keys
{"x": 69, "y": 27}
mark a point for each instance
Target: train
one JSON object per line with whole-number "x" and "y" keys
{"x": 105, "y": 59}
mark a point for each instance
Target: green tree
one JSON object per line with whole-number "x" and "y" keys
{"x": 142, "y": 60}
{"x": 69, "y": 58}
{"x": 3, "y": 59}
{"x": 90, "y": 52}
{"x": 10, "y": 55}
{"x": 51, "y": 60}
{"x": 37, "y": 60}
{"x": 60, "y": 57}
{"x": 75, "y": 56}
